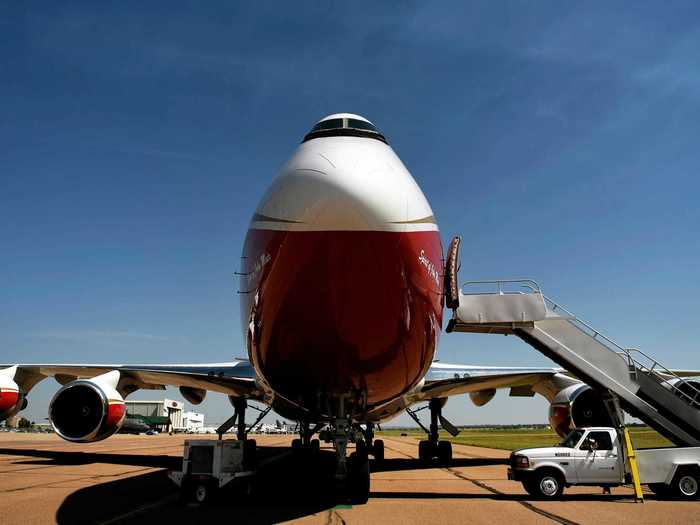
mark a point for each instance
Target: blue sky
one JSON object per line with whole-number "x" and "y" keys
{"x": 560, "y": 142}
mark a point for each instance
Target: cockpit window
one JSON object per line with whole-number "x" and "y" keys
{"x": 334, "y": 123}
{"x": 361, "y": 124}
{"x": 344, "y": 127}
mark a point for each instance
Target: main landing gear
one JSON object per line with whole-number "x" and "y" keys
{"x": 375, "y": 447}
{"x": 433, "y": 448}
{"x": 304, "y": 443}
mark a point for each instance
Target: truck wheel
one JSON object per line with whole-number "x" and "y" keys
{"x": 548, "y": 484}
{"x": 686, "y": 484}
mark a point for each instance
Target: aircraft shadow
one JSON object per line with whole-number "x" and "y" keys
{"x": 290, "y": 488}
{"x": 399, "y": 464}
{"x": 498, "y": 496}
{"x": 287, "y": 489}
{"x": 53, "y": 457}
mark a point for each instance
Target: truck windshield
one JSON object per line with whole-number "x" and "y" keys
{"x": 572, "y": 439}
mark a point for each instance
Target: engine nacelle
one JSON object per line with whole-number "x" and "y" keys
{"x": 87, "y": 410}
{"x": 482, "y": 397}
{"x": 11, "y": 399}
{"x": 577, "y": 406}
{"x": 193, "y": 395}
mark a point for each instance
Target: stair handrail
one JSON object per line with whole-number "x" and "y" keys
{"x": 663, "y": 376}
{"x": 524, "y": 283}
{"x": 575, "y": 319}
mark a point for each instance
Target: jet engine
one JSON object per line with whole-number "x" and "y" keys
{"x": 577, "y": 406}
{"x": 689, "y": 389}
{"x": 87, "y": 410}
{"x": 482, "y": 397}
{"x": 11, "y": 399}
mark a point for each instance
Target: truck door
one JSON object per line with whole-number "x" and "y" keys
{"x": 596, "y": 458}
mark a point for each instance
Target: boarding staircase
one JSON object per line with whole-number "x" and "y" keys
{"x": 646, "y": 389}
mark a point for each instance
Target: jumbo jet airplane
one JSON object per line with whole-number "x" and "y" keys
{"x": 343, "y": 285}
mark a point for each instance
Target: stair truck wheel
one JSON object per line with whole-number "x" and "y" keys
{"x": 548, "y": 484}
{"x": 686, "y": 484}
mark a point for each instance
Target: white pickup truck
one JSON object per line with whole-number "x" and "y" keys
{"x": 595, "y": 456}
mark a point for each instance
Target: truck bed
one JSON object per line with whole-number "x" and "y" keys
{"x": 658, "y": 465}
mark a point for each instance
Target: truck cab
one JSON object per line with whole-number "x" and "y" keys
{"x": 595, "y": 456}
{"x": 587, "y": 456}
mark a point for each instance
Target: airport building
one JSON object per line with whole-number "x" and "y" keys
{"x": 165, "y": 415}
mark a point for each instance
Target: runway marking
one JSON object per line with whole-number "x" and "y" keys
{"x": 529, "y": 506}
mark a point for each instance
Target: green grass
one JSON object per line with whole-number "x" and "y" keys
{"x": 515, "y": 438}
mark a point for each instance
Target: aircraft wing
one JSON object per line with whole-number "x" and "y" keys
{"x": 236, "y": 378}
{"x": 444, "y": 380}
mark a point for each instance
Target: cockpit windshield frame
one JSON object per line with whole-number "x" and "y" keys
{"x": 344, "y": 127}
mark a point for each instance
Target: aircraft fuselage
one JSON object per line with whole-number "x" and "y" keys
{"x": 342, "y": 279}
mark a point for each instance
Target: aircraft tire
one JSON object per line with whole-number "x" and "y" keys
{"x": 444, "y": 452}
{"x": 361, "y": 449}
{"x": 358, "y": 479}
{"x": 425, "y": 451}
{"x": 378, "y": 449}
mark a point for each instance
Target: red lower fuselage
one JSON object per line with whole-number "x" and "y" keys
{"x": 336, "y": 312}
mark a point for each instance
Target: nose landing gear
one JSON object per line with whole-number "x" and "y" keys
{"x": 351, "y": 476}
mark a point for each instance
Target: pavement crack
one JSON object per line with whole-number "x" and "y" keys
{"x": 529, "y": 506}
{"x": 333, "y": 518}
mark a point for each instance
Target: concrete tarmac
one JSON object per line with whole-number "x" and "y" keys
{"x": 123, "y": 480}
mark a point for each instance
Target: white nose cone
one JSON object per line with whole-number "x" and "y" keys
{"x": 344, "y": 177}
